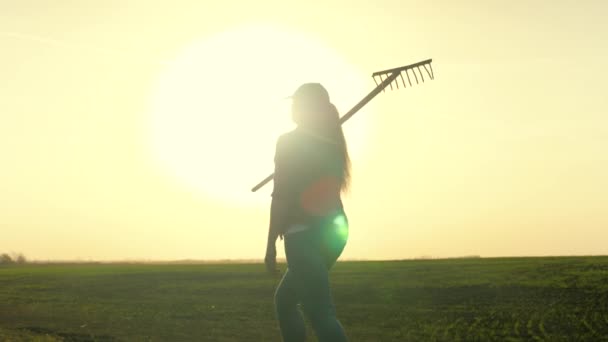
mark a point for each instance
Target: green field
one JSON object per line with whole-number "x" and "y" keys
{"x": 502, "y": 299}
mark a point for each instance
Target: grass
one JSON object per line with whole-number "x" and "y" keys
{"x": 502, "y": 299}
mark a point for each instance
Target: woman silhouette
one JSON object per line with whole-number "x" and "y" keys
{"x": 312, "y": 169}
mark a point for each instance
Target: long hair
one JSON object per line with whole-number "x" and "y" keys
{"x": 323, "y": 119}
{"x": 337, "y": 134}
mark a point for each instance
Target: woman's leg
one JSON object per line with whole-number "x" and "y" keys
{"x": 317, "y": 303}
{"x": 307, "y": 255}
{"x": 290, "y": 319}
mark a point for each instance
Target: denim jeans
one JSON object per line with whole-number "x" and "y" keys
{"x": 310, "y": 255}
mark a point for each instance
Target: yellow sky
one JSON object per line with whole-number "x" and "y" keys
{"x": 503, "y": 154}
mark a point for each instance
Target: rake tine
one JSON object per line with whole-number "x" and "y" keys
{"x": 375, "y": 80}
{"x": 408, "y": 78}
{"x": 390, "y": 84}
{"x": 402, "y": 80}
{"x": 397, "y": 82}
{"x": 430, "y": 73}
{"x": 421, "y": 75}
{"x": 415, "y": 76}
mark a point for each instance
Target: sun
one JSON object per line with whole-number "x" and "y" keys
{"x": 218, "y": 107}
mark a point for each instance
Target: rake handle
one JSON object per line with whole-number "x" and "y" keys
{"x": 346, "y": 116}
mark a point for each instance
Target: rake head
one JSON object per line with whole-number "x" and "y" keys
{"x": 413, "y": 70}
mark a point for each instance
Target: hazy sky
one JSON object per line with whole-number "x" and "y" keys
{"x": 504, "y": 153}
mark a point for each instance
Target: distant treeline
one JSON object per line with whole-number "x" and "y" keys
{"x": 13, "y": 258}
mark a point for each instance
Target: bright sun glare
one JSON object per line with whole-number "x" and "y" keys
{"x": 219, "y": 106}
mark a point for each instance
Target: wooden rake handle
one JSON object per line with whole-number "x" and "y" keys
{"x": 391, "y": 74}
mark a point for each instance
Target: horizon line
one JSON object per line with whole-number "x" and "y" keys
{"x": 283, "y": 260}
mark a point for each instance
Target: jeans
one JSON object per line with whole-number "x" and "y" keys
{"x": 310, "y": 254}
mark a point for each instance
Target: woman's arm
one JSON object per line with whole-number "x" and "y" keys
{"x": 279, "y": 207}
{"x": 278, "y": 214}
{"x": 278, "y": 219}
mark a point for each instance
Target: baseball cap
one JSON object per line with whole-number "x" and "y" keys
{"x": 311, "y": 92}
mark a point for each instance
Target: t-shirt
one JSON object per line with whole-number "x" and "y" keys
{"x": 308, "y": 169}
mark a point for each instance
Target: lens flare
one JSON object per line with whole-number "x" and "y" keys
{"x": 341, "y": 225}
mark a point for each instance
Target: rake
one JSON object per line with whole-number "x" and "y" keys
{"x": 383, "y": 79}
